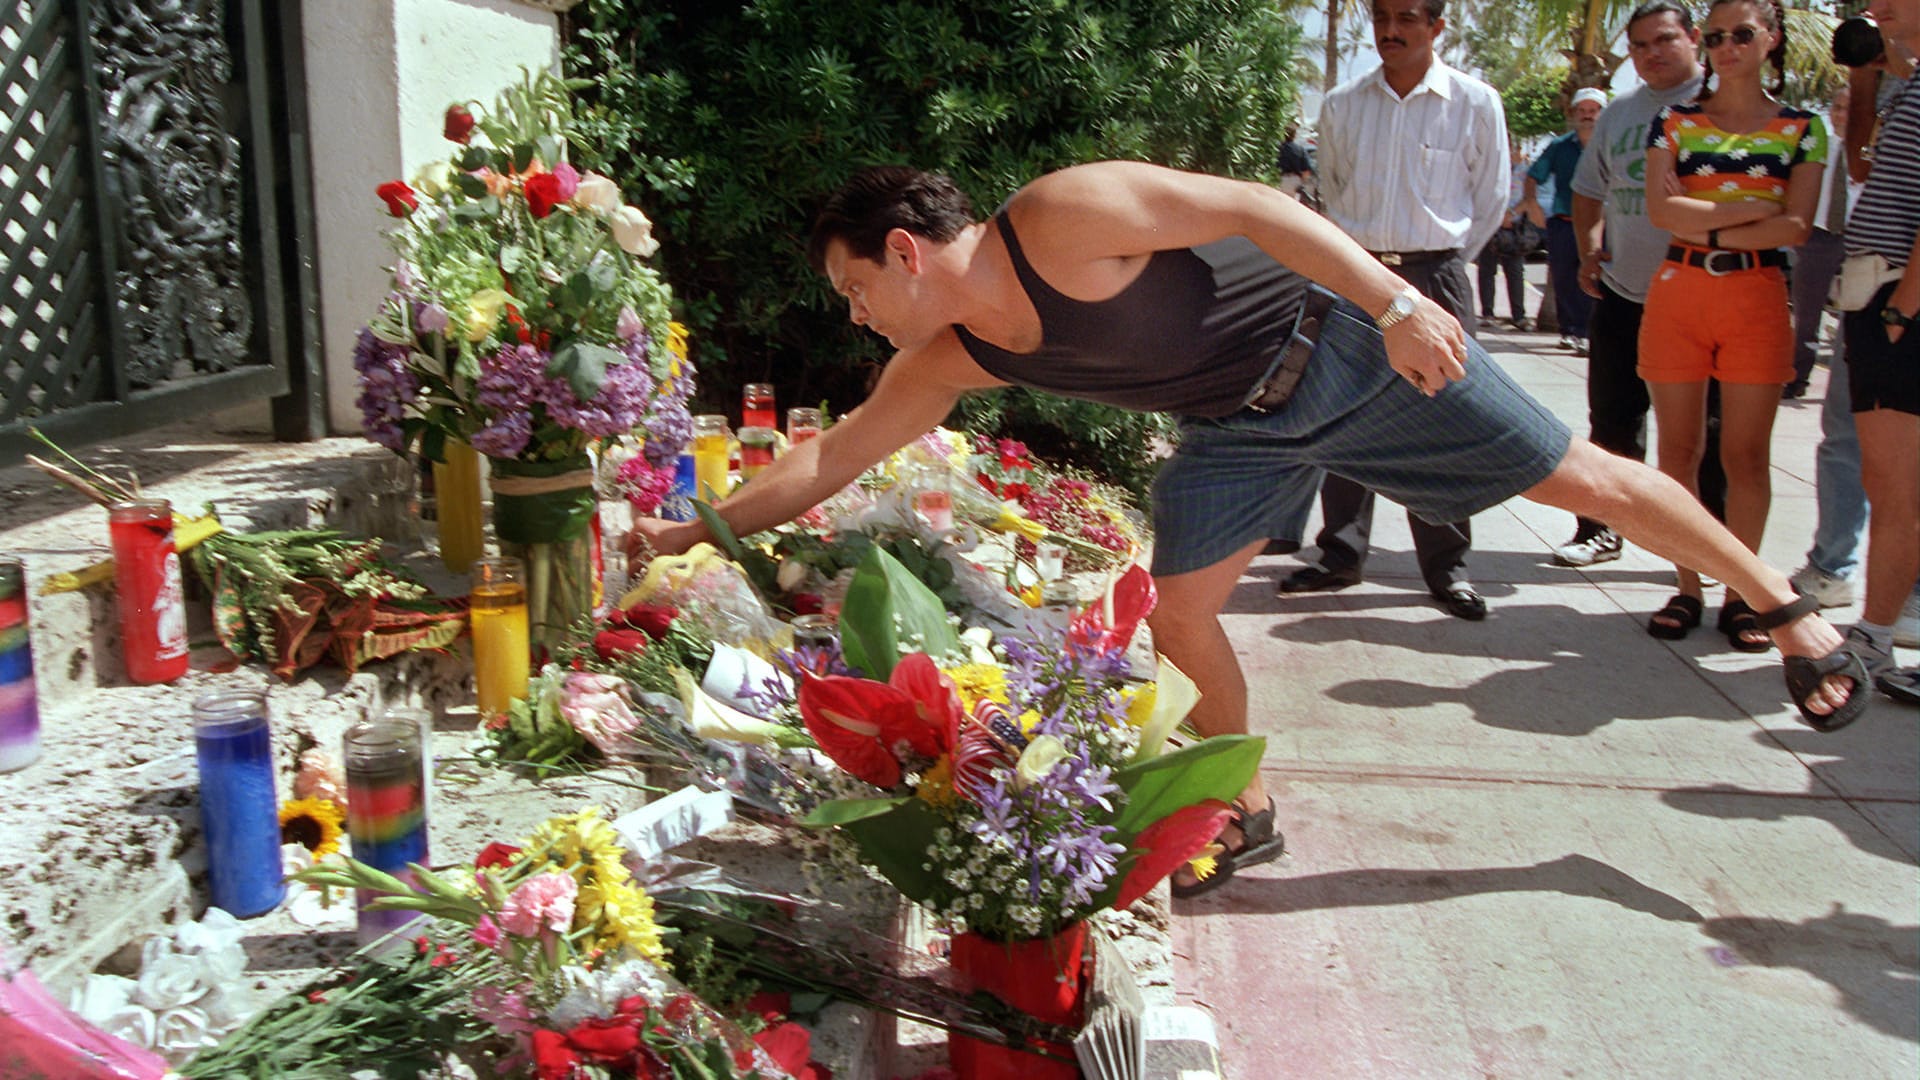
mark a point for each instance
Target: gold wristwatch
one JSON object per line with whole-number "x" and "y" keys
{"x": 1401, "y": 307}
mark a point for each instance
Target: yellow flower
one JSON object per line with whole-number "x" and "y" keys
{"x": 975, "y": 682}
{"x": 313, "y": 824}
{"x": 580, "y": 844}
{"x": 1140, "y": 702}
{"x": 483, "y": 311}
{"x": 936, "y": 784}
{"x": 1033, "y": 595}
{"x": 619, "y": 916}
{"x": 1011, "y": 520}
{"x": 1028, "y": 719}
{"x": 1207, "y": 862}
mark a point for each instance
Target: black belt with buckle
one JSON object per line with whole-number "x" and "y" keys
{"x": 1283, "y": 378}
{"x": 1720, "y": 262}
{"x": 1413, "y": 258}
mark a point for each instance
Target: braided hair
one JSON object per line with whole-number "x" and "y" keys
{"x": 1776, "y": 18}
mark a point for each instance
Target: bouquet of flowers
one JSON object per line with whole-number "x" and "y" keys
{"x": 524, "y": 320}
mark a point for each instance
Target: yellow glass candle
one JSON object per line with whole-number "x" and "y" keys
{"x": 710, "y": 457}
{"x": 456, "y": 492}
{"x": 497, "y": 610}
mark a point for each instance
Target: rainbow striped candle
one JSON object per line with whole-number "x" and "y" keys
{"x": 386, "y": 809}
{"x": 19, "y": 705}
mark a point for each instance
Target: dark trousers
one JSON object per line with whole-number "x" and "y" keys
{"x": 1514, "y": 265}
{"x": 1346, "y": 508}
{"x": 1617, "y": 401}
{"x": 1571, "y": 304}
{"x": 1814, "y": 264}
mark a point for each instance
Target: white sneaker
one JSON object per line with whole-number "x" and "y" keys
{"x": 1603, "y": 546}
{"x": 1906, "y": 627}
{"x": 1830, "y": 591}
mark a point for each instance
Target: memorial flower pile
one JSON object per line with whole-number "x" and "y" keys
{"x": 523, "y": 318}
{"x": 1018, "y": 797}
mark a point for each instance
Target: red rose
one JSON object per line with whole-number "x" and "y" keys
{"x": 543, "y": 193}
{"x": 806, "y": 603}
{"x": 495, "y": 855}
{"x": 608, "y": 644}
{"x": 652, "y": 618}
{"x": 606, "y": 1042}
{"x": 552, "y": 1057}
{"x": 400, "y": 198}
{"x": 768, "y": 1005}
{"x": 459, "y": 124}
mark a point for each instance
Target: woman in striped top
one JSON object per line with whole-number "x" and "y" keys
{"x": 1734, "y": 177}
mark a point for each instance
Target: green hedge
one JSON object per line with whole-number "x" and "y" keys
{"x": 727, "y": 122}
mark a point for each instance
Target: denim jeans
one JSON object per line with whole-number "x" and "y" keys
{"x": 1840, "y": 502}
{"x": 1571, "y": 304}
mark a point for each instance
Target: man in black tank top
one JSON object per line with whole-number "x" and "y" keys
{"x": 1131, "y": 283}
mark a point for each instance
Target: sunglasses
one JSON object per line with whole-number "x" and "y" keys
{"x": 1741, "y": 35}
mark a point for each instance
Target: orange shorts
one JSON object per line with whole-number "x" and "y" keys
{"x": 1736, "y": 328}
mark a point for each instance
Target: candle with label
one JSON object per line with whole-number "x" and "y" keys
{"x": 756, "y": 450}
{"x": 146, "y": 574}
{"x": 756, "y": 406}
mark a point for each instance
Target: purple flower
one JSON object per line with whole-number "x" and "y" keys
{"x": 505, "y": 437}
{"x": 629, "y": 326}
{"x": 669, "y": 430}
{"x": 430, "y": 319}
{"x": 387, "y": 387}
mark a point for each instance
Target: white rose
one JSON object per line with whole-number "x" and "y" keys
{"x": 433, "y": 180}
{"x": 169, "y": 981}
{"x": 597, "y": 193}
{"x": 633, "y": 232}
{"x": 180, "y": 1032}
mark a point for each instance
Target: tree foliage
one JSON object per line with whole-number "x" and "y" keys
{"x": 1532, "y": 102}
{"x": 727, "y": 122}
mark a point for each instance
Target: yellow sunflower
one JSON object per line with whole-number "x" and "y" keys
{"x": 580, "y": 844}
{"x": 313, "y": 824}
{"x": 619, "y": 915}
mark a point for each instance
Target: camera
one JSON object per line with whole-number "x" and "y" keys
{"x": 1857, "y": 42}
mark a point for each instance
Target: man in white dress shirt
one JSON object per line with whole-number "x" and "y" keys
{"x": 1413, "y": 166}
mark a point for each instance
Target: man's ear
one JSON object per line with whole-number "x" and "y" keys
{"x": 904, "y": 244}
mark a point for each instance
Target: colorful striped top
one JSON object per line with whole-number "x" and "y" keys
{"x": 1727, "y": 166}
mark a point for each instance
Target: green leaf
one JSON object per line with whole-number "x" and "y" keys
{"x": 512, "y": 258}
{"x": 836, "y": 812}
{"x": 433, "y": 444}
{"x": 584, "y": 366}
{"x": 469, "y": 185}
{"x": 895, "y": 843}
{"x": 718, "y": 528}
{"x": 882, "y": 594}
{"x": 549, "y": 149}
{"x": 1217, "y": 768}
{"x": 473, "y": 157}
{"x": 522, "y": 157}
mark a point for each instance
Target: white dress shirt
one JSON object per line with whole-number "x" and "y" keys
{"x": 1427, "y": 172}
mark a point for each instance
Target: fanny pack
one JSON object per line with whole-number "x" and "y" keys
{"x": 1859, "y": 278}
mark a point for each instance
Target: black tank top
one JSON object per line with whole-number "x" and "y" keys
{"x": 1192, "y": 334}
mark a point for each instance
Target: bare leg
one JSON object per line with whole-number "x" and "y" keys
{"x": 1890, "y": 471}
{"x": 1746, "y": 436}
{"x": 1649, "y": 509}
{"x": 1680, "y": 413}
{"x": 1186, "y": 630}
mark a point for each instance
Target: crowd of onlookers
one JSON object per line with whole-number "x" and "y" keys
{"x": 1697, "y": 232}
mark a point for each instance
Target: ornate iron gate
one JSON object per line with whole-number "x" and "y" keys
{"x": 155, "y": 224}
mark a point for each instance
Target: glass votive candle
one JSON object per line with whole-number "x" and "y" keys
{"x": 1049, "y": 560}
{"x": 710, "y": 457}
{"x": 146, "y": 575}
{"x": 239, "y": 813}
{"x": 756, "y": 450}
{"x": 497, "y": 612}
{"x": 935, "y": 506}
{"x": 803, "y": 423}
{"x": 385, "y": 762}
{"x": 19, "y": 701}
{"x": 756, "y": 406}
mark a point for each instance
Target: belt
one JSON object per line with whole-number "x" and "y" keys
{"x": 1273, "y": 390}
{"x": 1413, "y": 258}
{"x": 1720, "y": 262}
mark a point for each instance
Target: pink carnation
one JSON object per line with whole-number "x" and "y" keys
{"x": 643, "y": 484}
{"x": 544, "y": 900}
{"x": 486, "y": 933}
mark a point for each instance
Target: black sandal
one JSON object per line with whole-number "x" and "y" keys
{"x": 1805, "y": 673}
{"x": 1683, "y": 610}
{"x": 1737, "y": 619}
{"x": 1260, "y": 842}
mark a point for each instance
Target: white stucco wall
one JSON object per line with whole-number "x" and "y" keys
{"x": 380, "y": 74}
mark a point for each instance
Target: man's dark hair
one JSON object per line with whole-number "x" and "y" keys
{"x": 1661, "y": 7}
{"x": 1857, "y": 42}
{"x": 1436, "y": 9}
{"x": 882, "y": 198}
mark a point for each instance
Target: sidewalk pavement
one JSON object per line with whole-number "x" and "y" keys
{"x": 1548, "y": 844}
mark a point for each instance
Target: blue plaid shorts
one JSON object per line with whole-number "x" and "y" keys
{"x": 1253, "y": 475}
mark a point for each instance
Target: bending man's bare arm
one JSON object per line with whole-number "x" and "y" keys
{"x": 915, "y": 393}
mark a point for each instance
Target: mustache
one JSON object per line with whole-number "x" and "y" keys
{"x": 1390, "y": 41}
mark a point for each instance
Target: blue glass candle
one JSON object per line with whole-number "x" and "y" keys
{"x": 19, "y": 704}
{"x": 386, "y": 768}
{"x": 238, "y": 810}
{"x": 678, "y": 505}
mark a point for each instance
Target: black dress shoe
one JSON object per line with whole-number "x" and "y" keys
{"x": 1314, "y": 579}
{"x": 1462, "y": 602}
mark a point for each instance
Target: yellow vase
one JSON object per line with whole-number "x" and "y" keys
{"x": 456, "y": 489}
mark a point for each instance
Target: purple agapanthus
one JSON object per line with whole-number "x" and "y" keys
{"x": 1053, "y": 829}
{"x": 387, "y": 388}
{"x": 1065, "y": 687}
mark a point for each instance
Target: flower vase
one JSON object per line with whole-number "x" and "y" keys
{"x": 456, "y": 493}
{"x": 1044, "y": 978}
{"x": 544, "y": 514}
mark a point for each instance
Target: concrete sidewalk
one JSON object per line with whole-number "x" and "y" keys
{"x": 1549, "y": 844}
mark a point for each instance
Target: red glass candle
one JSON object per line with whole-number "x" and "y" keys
{"x": 146, "y": 572}
{"x": 756, "y": 406}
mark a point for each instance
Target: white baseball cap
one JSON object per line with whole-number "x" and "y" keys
{"x": 1589, "y": 93}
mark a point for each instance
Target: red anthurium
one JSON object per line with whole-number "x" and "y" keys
{"x": 616, "y": 641}
{"x": 1167, "y": 844}
{"x": 847, "y": 716}
{"x": 1109, "y": 623}
{"x": 935, "y": 704}
{"x": 806, "y": 603}
{"x": 459, "y": 125}
{"x": 400, "y": 198}
{"x": 543, "y": 194}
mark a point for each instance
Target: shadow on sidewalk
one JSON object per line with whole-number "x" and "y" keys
{"x": 1572, "y": 875}
{"x": 1871, "y": 962}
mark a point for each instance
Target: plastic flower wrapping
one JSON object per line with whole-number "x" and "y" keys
{"x": 523, "y": 318}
